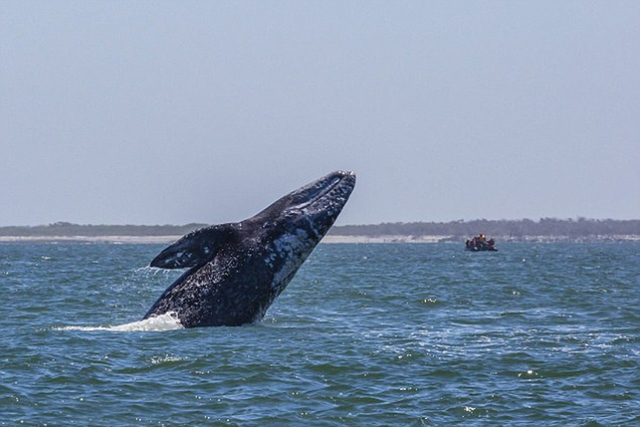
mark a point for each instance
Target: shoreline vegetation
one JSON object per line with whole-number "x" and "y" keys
{"x": 544, "y": 230}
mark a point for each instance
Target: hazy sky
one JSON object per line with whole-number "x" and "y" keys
{"x": 154, "y": 112}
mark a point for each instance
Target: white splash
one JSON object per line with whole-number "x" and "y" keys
{"x": 164, "y": 322}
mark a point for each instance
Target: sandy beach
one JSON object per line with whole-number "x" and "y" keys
{"x": 384, "y": 239}
{"x": 171, "y": 239}
{"x": 89, "y": 239}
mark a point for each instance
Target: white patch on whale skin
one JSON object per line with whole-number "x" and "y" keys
{"x": 293, "y": 249}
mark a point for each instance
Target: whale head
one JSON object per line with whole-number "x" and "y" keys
{"x": 290, "y": 228}
{"x": 298, "y": 220}
{"x": 311, "y": 209}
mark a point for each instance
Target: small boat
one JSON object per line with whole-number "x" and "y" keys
{"x": 480, "y": 243}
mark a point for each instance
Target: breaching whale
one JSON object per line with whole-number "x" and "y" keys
{"x": 236, "y": 270}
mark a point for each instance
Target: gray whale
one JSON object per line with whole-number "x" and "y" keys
{"x": 237, "y": 270}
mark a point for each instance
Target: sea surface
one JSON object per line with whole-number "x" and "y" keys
{"x": 365, "y": 335}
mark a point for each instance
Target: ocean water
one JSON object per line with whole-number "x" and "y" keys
{"x": 368, "y": 334}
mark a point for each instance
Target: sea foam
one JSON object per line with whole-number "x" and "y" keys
{"x": 164, "y": 322}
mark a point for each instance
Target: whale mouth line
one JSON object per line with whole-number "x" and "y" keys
{"x": 328, "y": 188}
{"x": 322, "y": 193}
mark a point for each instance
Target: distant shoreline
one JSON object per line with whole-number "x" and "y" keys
{"x": 543, "y": 230}
{"x": 327, "y": 239}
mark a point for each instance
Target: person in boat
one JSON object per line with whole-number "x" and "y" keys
{"x": 482, "y": 242}
{"x": 474, "y": 243}
{"x": 491, "y": 245}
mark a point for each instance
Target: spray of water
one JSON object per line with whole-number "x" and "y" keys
{"x": 164, "y": 322}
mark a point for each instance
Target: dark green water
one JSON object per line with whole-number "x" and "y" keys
{"x": 399, "y": 334}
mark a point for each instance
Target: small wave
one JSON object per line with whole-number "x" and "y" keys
{"x": 149, "y": 271}
{"x": 166, "y": 359}
{"x": 164, "y": 322}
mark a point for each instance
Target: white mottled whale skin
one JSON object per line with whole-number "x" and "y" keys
{"x": 236, "y": 270}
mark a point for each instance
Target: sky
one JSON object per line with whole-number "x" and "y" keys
{"x": 165, "y": 112}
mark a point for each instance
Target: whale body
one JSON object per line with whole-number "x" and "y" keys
{"x": 236, "y": 270}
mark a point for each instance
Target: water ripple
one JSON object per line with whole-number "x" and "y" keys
{"x": 365, "y": 335}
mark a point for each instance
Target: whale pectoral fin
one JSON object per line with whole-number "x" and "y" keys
{"x": 177, "y": 256}
{"x": 193, "y": 250}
